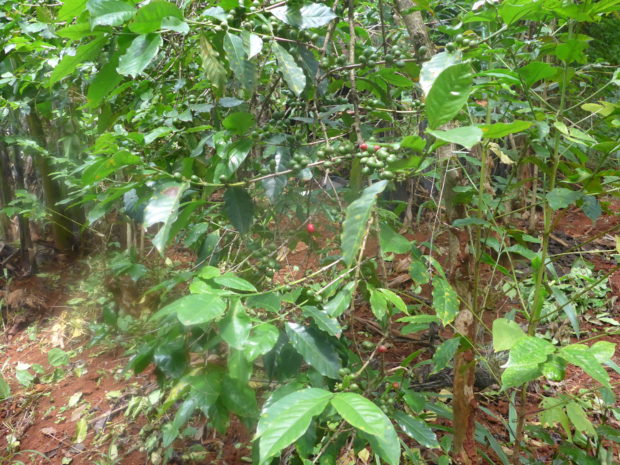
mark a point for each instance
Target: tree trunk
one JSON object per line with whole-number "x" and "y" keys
{"x": 61, "y": 224}
{"x": 5, "y": 192}
{"x": 414, "y": 23}
{"x": 25, "y": 240}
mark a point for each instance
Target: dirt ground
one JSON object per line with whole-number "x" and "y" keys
{"x": 75, "y": 413}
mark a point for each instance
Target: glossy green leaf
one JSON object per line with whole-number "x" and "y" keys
{"x": 360, "y": 413}
{"x": 149, "y": 17}
{"x": 535, "y": 71}
{"x": 434, "y": 67}
{"x": 262, "y": 339}
{"x": 365, "y": 416}
{"x": 170, "y": 23}
{"x": 163, "y": 208}
{"x": 524, "y": 361}
{"x": 391, "y": 241}
{"x": 77, "y": 31}
{"x": 448, "y": 94}
{"x": 467, "y": 136}
{"x": 245, "y": 71}
{"x": 394, "y": 299}
{"x": 356, "y": 221}
{"x": 239, "y": 122}
{"x": 419, "y": 272}
{"x": 239, "y": 208}
{"x": 234, "y": 282}
{"x": 561, "y": 197}
{"x": 292, "y": 73}
{"x": 103, "y": 167}
{"x": 445, "y": 353}
{"x": 554, "y": 369}
{"x": 579, "y": 419}
{"x": 239, "y": 398}
{"x": 104, "y": 82}
{"x": 109, "y": 12}
{"x": 287, "y": 419}
{"x": 323, "y": 321}
{"x": 69, "y": 63}
{"x": 378, "y": 303}
{"x": 308, "y": 16}
{"x": 315, "y": 348}
{"x": 340, "y": 302}
{"x": 581, "y": 356}
{"x": 195, "y": 309}
{"x": 499, "y": 130}
{"x": 70, "y": 9}
{"x": 139, "y": 55}
{"x": 416, "y": 429}
{"x": 603, "y": 351}
{"x": 235, "y": 327}
{"x": 506, "y": 333}
{"x": 214, "y": 70}
{"x": 445, "y": 300}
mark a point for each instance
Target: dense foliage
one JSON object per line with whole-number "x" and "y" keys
{"x": 241, "y": 129}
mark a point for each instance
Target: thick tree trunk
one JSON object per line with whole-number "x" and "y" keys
{"x": 61, "y": 224}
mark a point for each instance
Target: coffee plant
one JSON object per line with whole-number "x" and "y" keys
{"x": 246, "y": 131}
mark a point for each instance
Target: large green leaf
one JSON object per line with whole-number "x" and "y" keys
{"x": 340, "y": 302}
{"x": 506, "y": 333}
{"x": 109, "y": 12}
{"x": 585, "y": 358}
{"x": 149, "y": 17}
{"x": 139, "y": 54}
{"x": 239, "y": 123}
{"x": 70, "y": 9}
{"x": 448, "y": 94}
{"x": 69, "y": 63}
{"x": 356, "y": 220}
{"x": 360, "y": 413}
{"x": 163, "y": 207}
{"x": 214, "y": 70}
{"x": 526, "y": 357}
{"x": 444, "y": 353}
{"x": 293, "y": 74}
{"x": 261, "y": 340}
{"x": 535, "y": 71}
{"x": 499, "y": 130}
{"x": 323, "y": 321}
{"x": 434, "y": 67}
{"x": 315, "y": 348}
{"x": 104, "y": 82}
{"x": 310, "y": 15}
{"x": 391, "y": 241}
{"x": 467, "y": 136}
{"x": 239, "y": 208}
{"x": 561, "y": 197}
{"x": 287, "y": 419}
{"x": 235, "y": 327}
{"x": 364, "y": 415}
{"x": 104, "y": 166}
{"x": 445, "y": 300}
{"x": 194, "y": 309}
{"x": 244, "y": 70}
{"x": 416, "y": 429}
